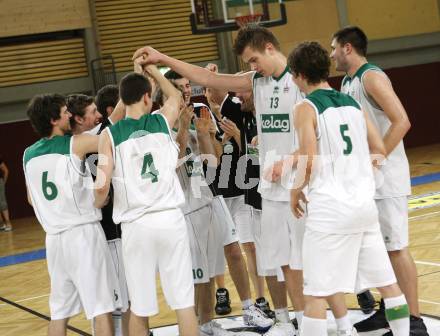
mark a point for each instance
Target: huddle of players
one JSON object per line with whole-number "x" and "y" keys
{"x": 139, "y": 155}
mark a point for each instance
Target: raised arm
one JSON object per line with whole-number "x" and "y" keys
{"x": 104, "y": 171}
{"x": 182, "y": 136}
{"x": 380, "y": 89}
{"x": 204, "y": 77}
{"x": 118, "y": 113}
{"x": 206, "y": 146}
{"x": 171, "y": 106}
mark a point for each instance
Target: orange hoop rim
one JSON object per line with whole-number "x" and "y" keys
{"x": 245, "y": 20}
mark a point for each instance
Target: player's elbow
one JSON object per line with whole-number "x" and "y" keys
{"x": 100, "y": 197}
{"x": 406, "y": 124}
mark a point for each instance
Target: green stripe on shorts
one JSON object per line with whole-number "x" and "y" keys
{"x": 397, "y": 313}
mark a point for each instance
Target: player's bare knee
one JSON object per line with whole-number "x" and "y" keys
{"x": 249, "y": 248}
{"x": 392, "y": 290}
{"x": 233, "y": 252}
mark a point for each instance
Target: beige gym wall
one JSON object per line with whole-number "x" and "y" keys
{"x": 26, "y": 17}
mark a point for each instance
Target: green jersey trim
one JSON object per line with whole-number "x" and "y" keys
{"x": 324, "y": 99}
{"x": 128, "y": 128}
{"x": 286, "y": 70}
{"x": 258, "y": 75}
{"x": 59, "y": 144}
{"x": 360, "y": 72}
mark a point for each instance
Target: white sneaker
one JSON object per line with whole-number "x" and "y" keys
{"x": 214, "y": 329}
{"x": 352, "y": 332}
{"x": 281, "y": 329}
{"x": 254, "y": 317}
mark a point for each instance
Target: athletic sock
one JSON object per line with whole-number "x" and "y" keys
{"x": 282, "y": 315}
{"x": 206, "y": 327}
{"x": 246, "y": 304}
{"x": 344, "y": 323}
{"x": 299, "y": 317}
{"x": 397, "y": 314}
{"x": 313, "y": 327}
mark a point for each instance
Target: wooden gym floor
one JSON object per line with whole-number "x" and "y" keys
{"x": 24, "y": 287}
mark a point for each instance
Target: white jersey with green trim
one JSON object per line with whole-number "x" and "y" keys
{"x": 60, "y": 185}
{"x": 191, "y": 177}
{"x": 274, "y": 100}
{"x": 395, "y": 180}
{"x": 144, "y": 177}
{"x": 342, "y": 186}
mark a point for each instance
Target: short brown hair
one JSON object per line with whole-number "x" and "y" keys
{"x": 256, "y": 37}
{"x": 355, "y": 36}
{"x": 76, "y": 105}
{"x": 311, "y": 60}
{"x": 42, "y": 109}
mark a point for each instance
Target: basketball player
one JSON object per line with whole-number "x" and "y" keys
{"x": 139, "y": 155}
{"x": 60, "y": 188}
{"x": 370, "y": 86}
{"x": 237, "y": 121}
{"x": 251, "y": 314}
{"x": 274, "y": 96}
{"x": 86, "y": 118}
{"x": 342, "y": 246}
{"x": 275, "y": 281}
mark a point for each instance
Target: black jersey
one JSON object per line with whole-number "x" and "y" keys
{"x": 251, "y": 196}
{"x": 228, "y": 172}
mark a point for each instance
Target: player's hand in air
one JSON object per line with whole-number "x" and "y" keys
{"x": 137, "y": 66}
{"x": 254, "y": 141}
{"x": 212, "y": 67}
{"x": 296, "y": 198}
{"x": 230, "y": 129}
{"x": 185, "y": 116}
{"x": 151, "y": 55}
{"x": 203, "y": 123}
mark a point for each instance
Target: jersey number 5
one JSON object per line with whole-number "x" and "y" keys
{"x": 50, "y": 190}
{"x": 149, "y": 171}
{"x": 344, "y": 128}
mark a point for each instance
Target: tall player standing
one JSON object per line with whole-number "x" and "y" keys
{"x": 275, "y": 95}
{"x": 60, "y": 189}
{"x": 139, "y": 156}
{"x": 342, "y": 246}
{"x": 370, "y": 86}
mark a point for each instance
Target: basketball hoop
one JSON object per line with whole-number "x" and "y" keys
{"x": 248, "y": 20}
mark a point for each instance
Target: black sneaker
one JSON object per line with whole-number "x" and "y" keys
{"x": 223, "y": 304}
{"x": 264, "y": 307}
{"x": 416, "y": 327}
{"x": 295, "y": 323}
{"x": 374, "y": 322}
{"x": 366, "y": 302}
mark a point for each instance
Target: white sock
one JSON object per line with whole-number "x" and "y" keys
{"x": 282, "y": 315}
{"x": 206, "y": 327}
{"x": 313, "y": 327}
{"x": 397, "y": 314}
{"x": 344, "y": 323}
{"x": 299, "y": 317}
{"x": 246, "y": 304}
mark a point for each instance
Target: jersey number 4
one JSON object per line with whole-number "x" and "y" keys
{"x": 344, "y": 128}
{"x": 149, "y": 170}
{"x": 50, "y": 190}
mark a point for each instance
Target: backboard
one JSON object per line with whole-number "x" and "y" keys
{"x": 214, "y": 16}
